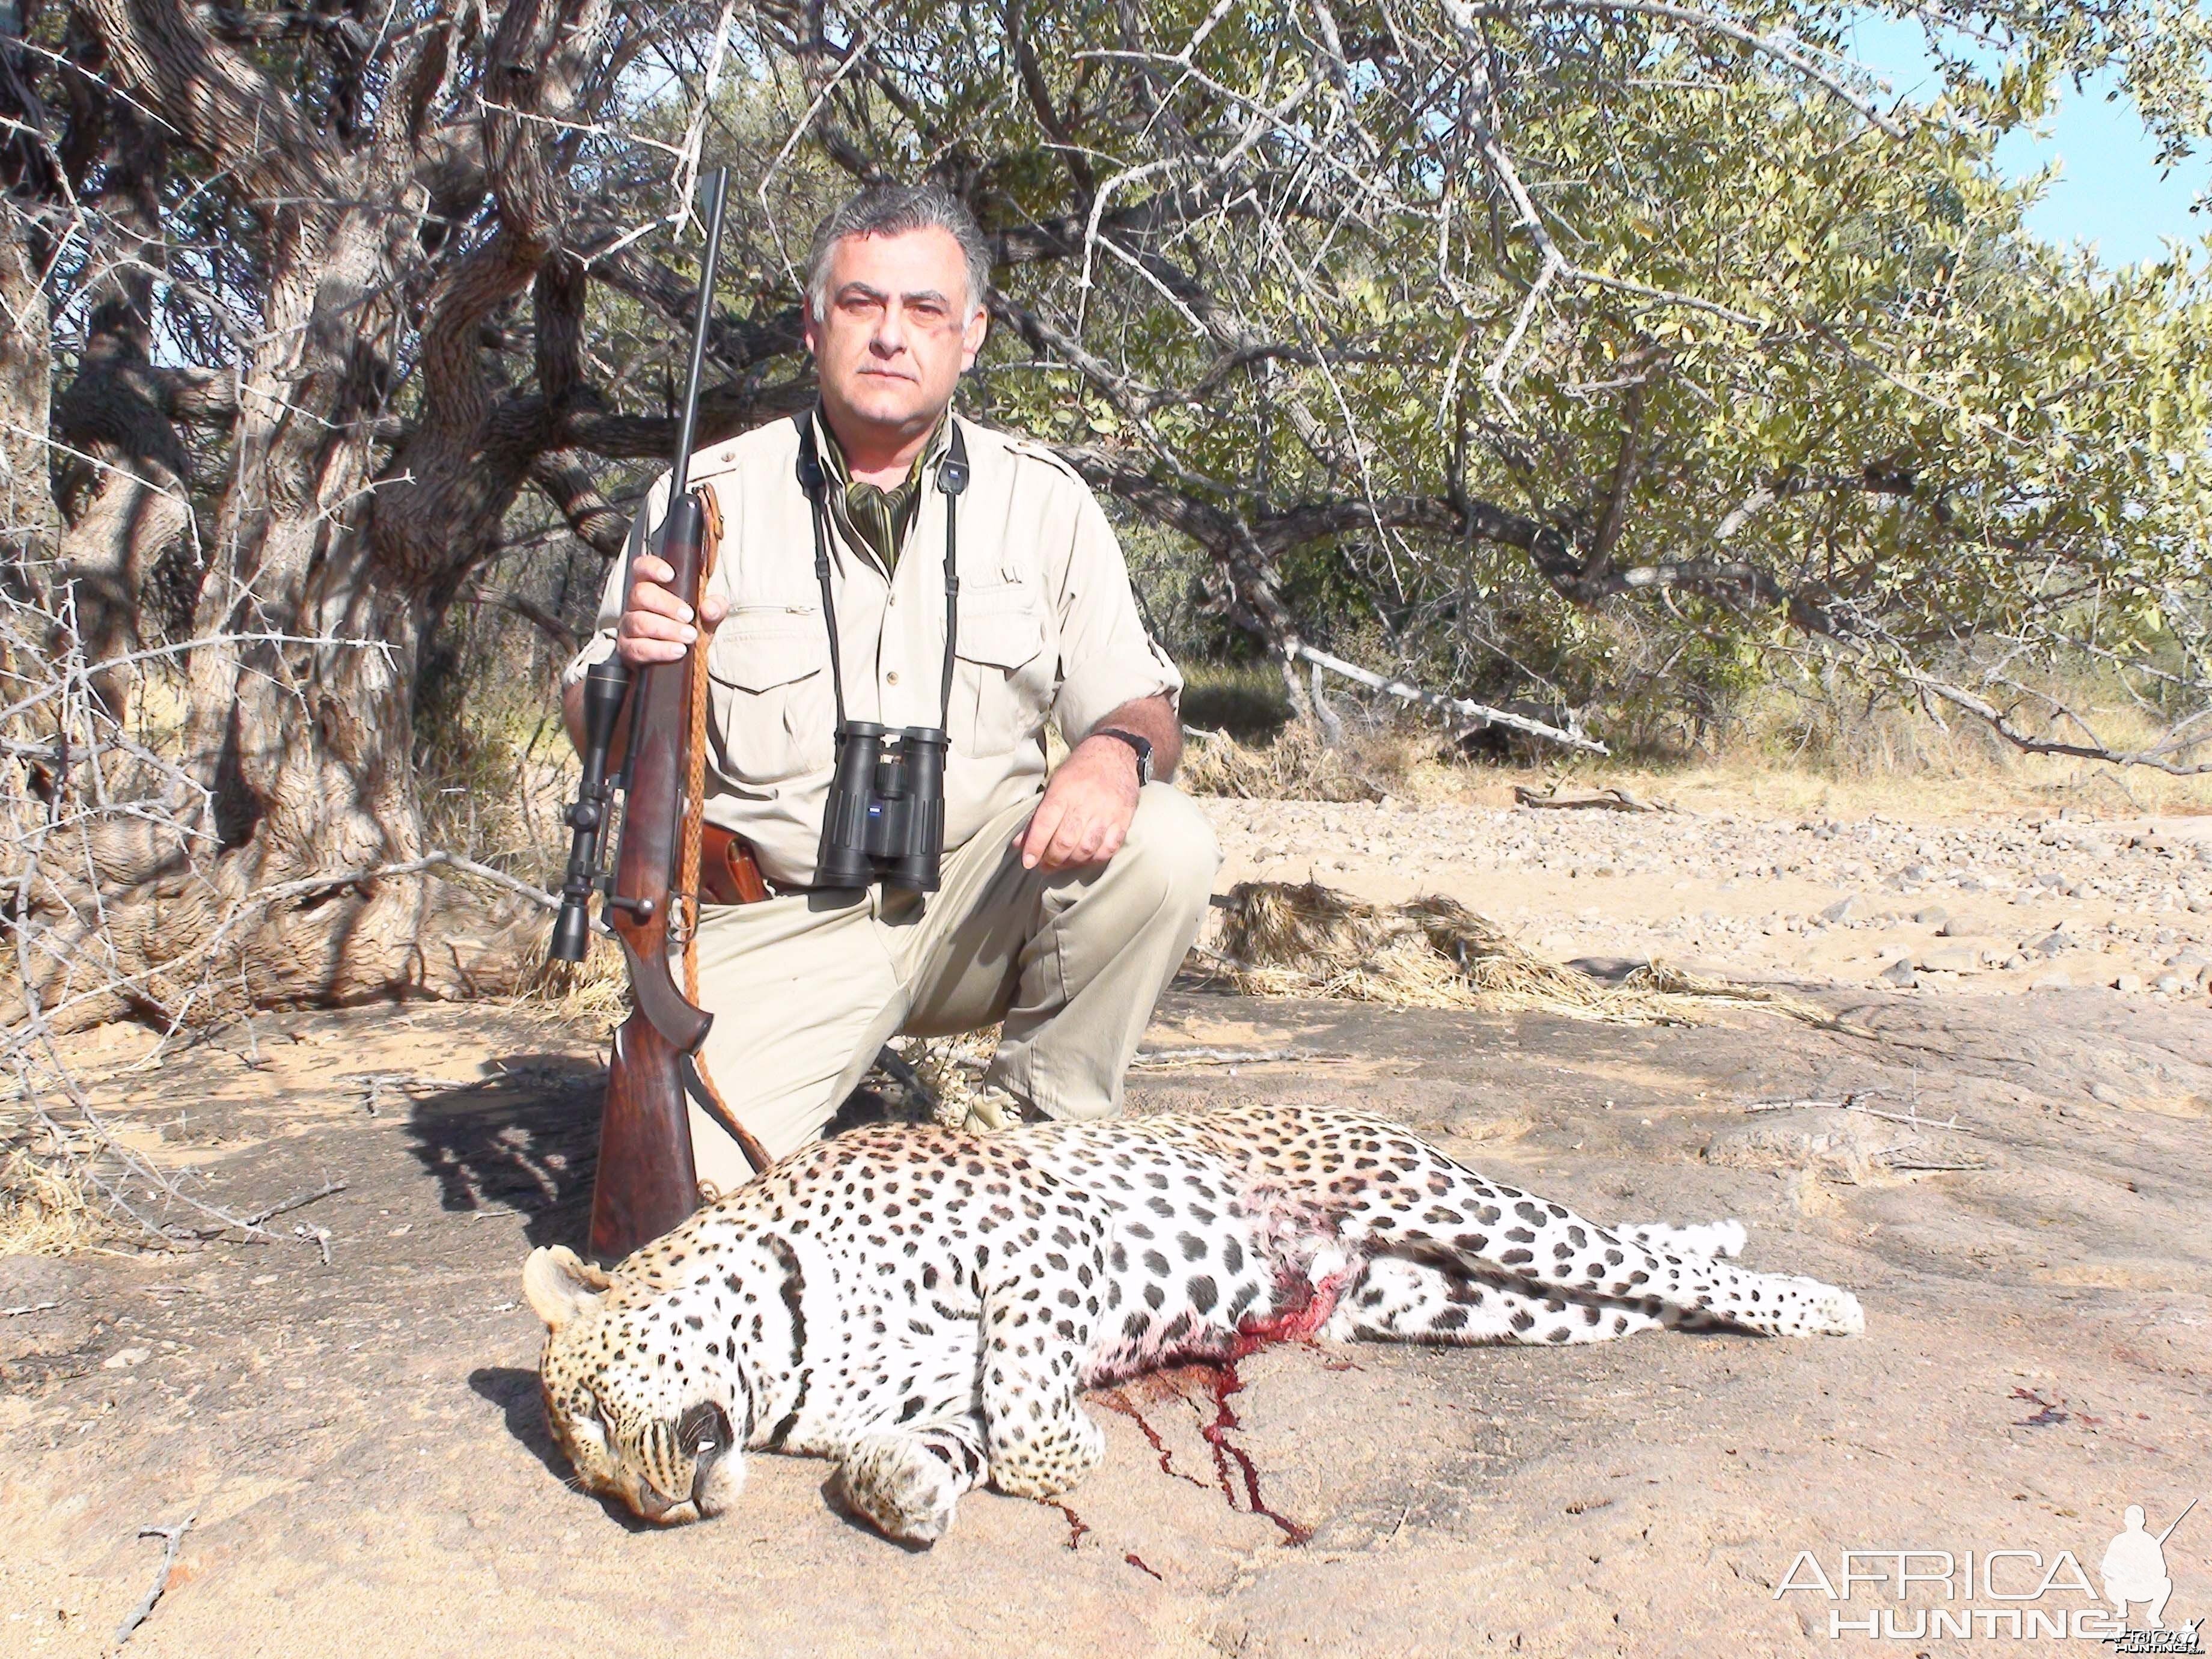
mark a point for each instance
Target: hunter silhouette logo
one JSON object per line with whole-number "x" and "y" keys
{"x": 2134, "y": 1570}
{"x": 1913, "y": 1594}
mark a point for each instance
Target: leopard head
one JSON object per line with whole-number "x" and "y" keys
{"x": 641, "y": 1420}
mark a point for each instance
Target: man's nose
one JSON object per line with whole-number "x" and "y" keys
{"x": 890, "y": 337}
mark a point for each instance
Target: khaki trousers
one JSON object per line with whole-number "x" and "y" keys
{"x": 806, "y": 988}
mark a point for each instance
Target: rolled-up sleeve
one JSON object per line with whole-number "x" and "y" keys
{"x": 1106, "y": 657}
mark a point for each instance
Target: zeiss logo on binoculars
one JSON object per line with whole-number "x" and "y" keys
{"x": 1922, "y": 1595}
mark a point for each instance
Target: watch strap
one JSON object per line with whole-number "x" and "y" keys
{"x": 1142, "y": 746}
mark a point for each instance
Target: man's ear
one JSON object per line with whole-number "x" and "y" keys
{"x": 971, "y": 337}
{"x": 562, "y": 1284}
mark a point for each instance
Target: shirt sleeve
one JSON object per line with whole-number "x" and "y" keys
{"x": 1106, "y": 657}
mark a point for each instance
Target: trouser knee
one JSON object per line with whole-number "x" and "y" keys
{"x": 1171, "y": 851}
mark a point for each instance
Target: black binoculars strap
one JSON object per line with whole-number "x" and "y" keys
{"x": 952, "y": 479}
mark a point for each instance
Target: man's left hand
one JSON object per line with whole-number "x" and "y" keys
{"x": 1087, "y": 809}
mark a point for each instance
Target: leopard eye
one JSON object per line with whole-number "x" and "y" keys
{"x": 702, "y": 1428}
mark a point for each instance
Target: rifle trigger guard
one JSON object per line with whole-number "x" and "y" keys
{"x": 665, "y": 1009}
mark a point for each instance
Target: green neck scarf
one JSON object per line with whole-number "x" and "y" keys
{"x": 877, "y": 520}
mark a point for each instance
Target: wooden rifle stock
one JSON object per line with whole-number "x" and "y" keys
{"x": 647, "y": 1181}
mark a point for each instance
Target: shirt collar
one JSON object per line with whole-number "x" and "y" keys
{"x": 841, "y": 475}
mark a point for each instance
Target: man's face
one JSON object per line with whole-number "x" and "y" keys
{"x": 892, "y": 346}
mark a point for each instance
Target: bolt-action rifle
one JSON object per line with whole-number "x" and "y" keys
{"x": 647, "y": 1181}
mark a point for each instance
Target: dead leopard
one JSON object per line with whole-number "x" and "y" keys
{"x": 924, "y": 1306}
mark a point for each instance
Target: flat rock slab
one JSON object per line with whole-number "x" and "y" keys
{"x": 363, "y": 1446}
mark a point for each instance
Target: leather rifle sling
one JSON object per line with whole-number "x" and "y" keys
{"x": 695, "y": 810}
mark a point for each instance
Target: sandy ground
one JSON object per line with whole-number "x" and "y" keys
{"x": 360, "y": 1447}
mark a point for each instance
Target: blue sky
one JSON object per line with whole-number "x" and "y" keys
{"x": 2110, "y": 192}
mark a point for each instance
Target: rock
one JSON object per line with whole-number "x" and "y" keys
{"x": 1949, "y": 959}
{"x": 1842, "y": 910}
{"x": 2128, "y": 982}
{"x": 1934, "y": 915}
{"x": 2016, "y": 961}
{"x": 1900, "y": 974}
{"x": 2173, "y": 984}
{"x": 2107, "y": 1094}
{"x": 1959, "y": 927}
{"x": 2053, "y": 944}
{"x": 2057, "y": 982}
{"x": 26, "y": 1281}
{"x": 1844, "y": 1146}
{"x": 124, "y": 1359}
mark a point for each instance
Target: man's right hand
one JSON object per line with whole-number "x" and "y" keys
{"x": 656, "y": 626}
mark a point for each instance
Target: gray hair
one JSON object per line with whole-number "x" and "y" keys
{"x": 893, "y": 210}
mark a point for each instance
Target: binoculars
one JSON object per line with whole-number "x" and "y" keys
{"x": 885, "y": 819}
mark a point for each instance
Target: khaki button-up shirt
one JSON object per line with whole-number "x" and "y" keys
{"x": 1047, "y": 627}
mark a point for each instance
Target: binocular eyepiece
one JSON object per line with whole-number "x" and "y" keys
{"x": 885, "y": 818}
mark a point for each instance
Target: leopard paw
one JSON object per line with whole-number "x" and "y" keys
{"x": 906, "y": 1490}
{"x": 1048, "y": 1465}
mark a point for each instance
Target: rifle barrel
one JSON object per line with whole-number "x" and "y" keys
{"x": 2178, "y": 1520}
{"x": 718, "y": 194}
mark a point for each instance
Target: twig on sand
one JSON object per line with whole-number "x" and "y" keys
{"x": 28, "y": 1307}
{"x": 1610, "y": 799}
{"x": 1850, "y": 1103}
{"x": 1162, "y": 1059}
{"x": 172, "y": 1539}
{"x": 297, "y": 1201}
{"x": 1918, "y": 1166}
{"x": 374, "y": 1084}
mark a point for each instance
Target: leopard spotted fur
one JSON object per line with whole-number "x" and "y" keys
{"x": 926, "y": 1306}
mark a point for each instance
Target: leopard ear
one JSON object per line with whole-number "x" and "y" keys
{"x": 560, "y": 1285}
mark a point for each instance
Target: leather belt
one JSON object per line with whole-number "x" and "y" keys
{"x": 729, "y": 872}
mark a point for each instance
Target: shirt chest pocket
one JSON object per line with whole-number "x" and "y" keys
{"x": 1002, "y": 675}
{"x": 768, "y": 671}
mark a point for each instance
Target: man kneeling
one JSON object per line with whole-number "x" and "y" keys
{"x": 1066, "y": 903}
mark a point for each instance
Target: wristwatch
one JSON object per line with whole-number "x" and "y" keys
{"x": 1143, "y": 748}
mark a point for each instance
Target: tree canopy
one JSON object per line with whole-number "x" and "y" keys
{"x": 1482, "y": 338}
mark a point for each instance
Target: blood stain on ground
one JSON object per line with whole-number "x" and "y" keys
{"x": 1137, "y": 1562}
{"x": 1118, "y": 1401}
{"x": 1224, "y": 1381}
{"x": 1077, "y": 1526}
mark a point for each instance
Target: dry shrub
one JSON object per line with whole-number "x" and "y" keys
{"x": 47, "y": 1208}
{"x": 1284, "y": 938}
{"x": 1298, "y": 766}
{"x": 596, "y": 989}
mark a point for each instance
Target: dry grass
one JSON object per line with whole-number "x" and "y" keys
{"x": 47, "y": 1209}
{"x": 1893, "y": 761}
{"x": 1283, "y": 939}
{"x": 1296, "y": 765}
